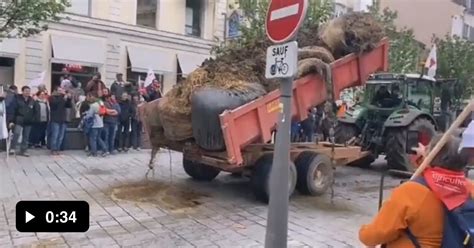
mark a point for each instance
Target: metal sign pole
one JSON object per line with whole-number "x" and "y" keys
{"x": 284, "y": 17}
{"x": 277, "y": 222}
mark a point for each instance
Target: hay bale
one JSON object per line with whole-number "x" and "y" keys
{"x": 311, "y": 66}
{"x": 315, "y": 52}
{"x": 362, "y": 32}
{"x": 332, "y": 34}
{"x": 176, "y": 125}
{"x": 355, "y": 32}
{"x": 151, "y": 113}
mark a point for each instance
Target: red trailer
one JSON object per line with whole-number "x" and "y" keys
{"x": 248, "y": 132}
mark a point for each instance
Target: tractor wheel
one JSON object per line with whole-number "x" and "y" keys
{"x": 395, "y": 148}
{"x": 199, "y": 171}
{"x": 343, "y": 133}
{"x": 315, "y": 173}
{"x": 260, "y": 180}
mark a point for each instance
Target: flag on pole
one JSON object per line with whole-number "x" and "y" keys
{"x": 431, "y": 63}
{"x": 38, "y": 80}
{"x": 149, "y": 78}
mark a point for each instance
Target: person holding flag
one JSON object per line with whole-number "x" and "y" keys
{"x": 152, "y": 87}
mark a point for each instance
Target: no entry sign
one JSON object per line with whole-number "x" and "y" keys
{"x": 284, "y": 17}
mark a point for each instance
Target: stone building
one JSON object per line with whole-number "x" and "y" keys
{"x": 118, "y": 36}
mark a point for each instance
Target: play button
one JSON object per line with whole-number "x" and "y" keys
{"x": 28, "y": 217}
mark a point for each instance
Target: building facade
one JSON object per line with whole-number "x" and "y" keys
{"x": 118, "y": 36}
{"x": 344, "y": 6}
{"x": 463, "y": 25}
{"x": 426, "y": 17}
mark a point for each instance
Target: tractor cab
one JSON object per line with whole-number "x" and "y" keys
{"x": 394, "y": 91}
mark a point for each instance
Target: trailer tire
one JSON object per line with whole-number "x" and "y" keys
{"x": 200, "y": 171}
{"x": 206, "y": 106}
{"x": 343, "y": 133}
{"x": 260, "y": 180}
{"x": 395, "y": 146}
{"x": 315, "y": 173}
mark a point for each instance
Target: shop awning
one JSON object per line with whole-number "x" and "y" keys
{"x": 10, "y": 47}
{"x": 142, "y": 59}
{"x": 78, "y": 50}
{"x": 190, "y": 62}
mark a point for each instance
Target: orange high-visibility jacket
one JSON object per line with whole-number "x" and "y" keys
{"x": 410, "y": 205}
{"x": 342, "y": 110}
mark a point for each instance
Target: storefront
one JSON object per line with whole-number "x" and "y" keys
{"x": 137, "y": 78}
{"x": 141, "y": 59}
{"x": 78, "y": 57}
{"x": 9, "y": 51}
{"x": 81, "y": 74}
{"x": 189, "y": 62}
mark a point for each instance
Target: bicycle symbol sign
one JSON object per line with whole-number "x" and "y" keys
{"x": 282, "y": 60}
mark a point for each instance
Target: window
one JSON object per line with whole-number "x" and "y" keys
{"x": 80, "y": 7}
{"x": 193, "y": 17}
{"x": 465, "y": 31}
{"x": 468, "y": 32}
{"x": 471, "y": 33}
{"x": 470, "y": 4}
{"x": 7, "y": 71}
{"x": 81, "y": 74}
{"x": 419, "y": 93}
{"x": 146, "y": 13}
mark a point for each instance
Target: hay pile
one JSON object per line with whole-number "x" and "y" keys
{"x": 242, "y": 64}
{"x": 355, "y": 32}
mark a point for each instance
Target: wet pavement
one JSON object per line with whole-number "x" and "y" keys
{"x": 170, "y": 209}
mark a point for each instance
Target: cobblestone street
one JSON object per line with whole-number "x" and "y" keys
{"x": 171, "y": 210}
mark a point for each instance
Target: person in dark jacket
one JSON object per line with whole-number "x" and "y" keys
{"x": 126, "y": 113}
{"x": 58, "y": 102}
{"x": 10, "y": 103}
{"x": 136, "y": 134}
{"x": 111, "y": 120}
{"x": 308, "y": 124}
{"x": 119, "y": 86}
{"x": 24, "y": 117}
{"x": 38, "y": 131}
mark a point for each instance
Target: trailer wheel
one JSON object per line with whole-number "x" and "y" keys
{"x": 200, "y": 171}
{"x": 315, "y": 173}
{"x": 260, "y": 180}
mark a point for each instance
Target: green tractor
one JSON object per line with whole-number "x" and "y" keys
{"x": 394, "y": 107}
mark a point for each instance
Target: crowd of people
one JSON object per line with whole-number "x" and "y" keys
{"x": 108, "y": 117}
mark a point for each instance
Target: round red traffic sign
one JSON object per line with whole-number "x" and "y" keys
{"x": 284, "y": 17}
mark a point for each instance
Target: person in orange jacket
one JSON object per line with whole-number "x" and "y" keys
{"x": 415, "y": 207}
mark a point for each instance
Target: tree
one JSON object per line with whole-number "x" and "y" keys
{"x": 404, "y": 53}
{"x": 455, "y": 58}
{"x": 22, "y": 18}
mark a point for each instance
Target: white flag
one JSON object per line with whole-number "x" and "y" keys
{"x": 38, "y": 80}
{"x": 431, "y": 63}
{"x": 149, "y": 78}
